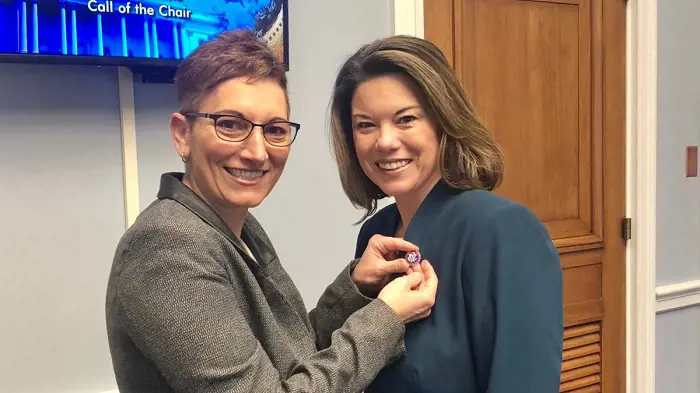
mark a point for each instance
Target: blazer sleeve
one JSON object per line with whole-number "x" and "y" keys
{"x": 338, "y": 302}
{"x": 518, "y": 323}
{"x": 185, "y": 316}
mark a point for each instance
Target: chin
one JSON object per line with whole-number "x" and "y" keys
{"x": 394, "y": 191}
{"x": 395, "y": 187}
{"x": 247, "y": 199}
{"x": 248, "y": 203}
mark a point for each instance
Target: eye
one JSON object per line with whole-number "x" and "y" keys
{"x": 276, "y": 130}
{"x": 361, "y": 125}
{"x": 232, "y": 124}
{"x": 406, "y": 119}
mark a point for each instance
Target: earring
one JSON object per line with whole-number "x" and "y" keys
{"x": 183, "y": 158}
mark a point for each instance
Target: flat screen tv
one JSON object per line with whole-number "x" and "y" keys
{"x": 148, "y": 34}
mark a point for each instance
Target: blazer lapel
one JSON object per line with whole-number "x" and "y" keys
{"x": 171, "y": 187}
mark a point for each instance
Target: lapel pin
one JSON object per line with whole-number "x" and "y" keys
{"x": 413, "y": 258}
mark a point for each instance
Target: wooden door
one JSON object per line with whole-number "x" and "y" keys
{"x": 548, "y": 78}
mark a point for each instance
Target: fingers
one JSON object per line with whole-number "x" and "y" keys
{"x": 425, "y": 289}
{"x": 426, "y": 267}
{"x": 410, "y": 269}
{"x": 396, "y": 266}
{"x": 385, "y": 245}
{"x": 429, "y": 275}
{"x": 412, "y": 280}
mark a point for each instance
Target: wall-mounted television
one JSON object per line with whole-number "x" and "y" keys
{"x": 143, "y": 35}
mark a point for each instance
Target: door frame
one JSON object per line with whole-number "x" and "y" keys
{"x": 640, "y": 179}
{"x": 641, "y": 194}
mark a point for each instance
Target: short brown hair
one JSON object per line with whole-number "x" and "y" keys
{"x": 469, "y": 156}
{"x": 231, "y": 54}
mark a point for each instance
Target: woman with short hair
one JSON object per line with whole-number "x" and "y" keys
{"x": 198, "y": 300}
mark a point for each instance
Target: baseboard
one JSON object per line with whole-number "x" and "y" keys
{"x": 676, "y": 296}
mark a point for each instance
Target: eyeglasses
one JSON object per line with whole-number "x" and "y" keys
{"x": 232, "y": 128}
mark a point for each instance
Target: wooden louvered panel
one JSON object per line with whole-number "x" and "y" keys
{"x": 582, "y": 357}
{"x": 587, "y": 389}
{"x": 581, "y": 361}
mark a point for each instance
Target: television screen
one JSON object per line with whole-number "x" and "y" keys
{"x": 117, "y": 32}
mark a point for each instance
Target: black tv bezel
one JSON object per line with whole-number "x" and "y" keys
{"x": 137, "y": 64}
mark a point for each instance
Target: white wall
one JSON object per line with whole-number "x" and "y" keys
{"x": 678, "y": 197}
{"x": 61, "y": 208}
{"x": 61, "y": 194}
{"x": 678, "y": 351}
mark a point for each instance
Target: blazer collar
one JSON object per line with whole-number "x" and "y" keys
{"x": 431, "y": 205}
{"x": 172, "y": 187}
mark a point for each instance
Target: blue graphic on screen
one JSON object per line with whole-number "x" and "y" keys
{"x": 141, "y": 29}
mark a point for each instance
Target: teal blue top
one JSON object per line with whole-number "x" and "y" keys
{"x": 497, "y": 324}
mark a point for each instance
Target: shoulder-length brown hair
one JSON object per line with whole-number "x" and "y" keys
{"x": 469, "y": 156}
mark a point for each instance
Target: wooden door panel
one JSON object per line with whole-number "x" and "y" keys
{"x": 583, "y": 286}
{"x": 539, "y": 55}
{"x": 535, "y": 71}
{"x": 583, "y": 283}
{"x": 529, "y": 68}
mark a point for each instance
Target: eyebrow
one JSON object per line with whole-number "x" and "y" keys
{"x": 408, "y": 108}
{"x": 398, "y": 112}
{"x": 239, "y": 114}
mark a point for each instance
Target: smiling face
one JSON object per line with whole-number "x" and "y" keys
{"x": 395, "y": 141}
{"x": 233, "y": 176}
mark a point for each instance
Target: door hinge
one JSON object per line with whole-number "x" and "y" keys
{"x": 627, "y": 228}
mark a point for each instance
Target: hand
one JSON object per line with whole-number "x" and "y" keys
{"x": 412, "y": 296}
{"x": 378, "y": 263}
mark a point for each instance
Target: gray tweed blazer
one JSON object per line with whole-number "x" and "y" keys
{"x": 189, "y": 311}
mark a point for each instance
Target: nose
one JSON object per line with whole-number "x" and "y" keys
{"x": 387, "y": 138}
{"x": 255, "y": 150}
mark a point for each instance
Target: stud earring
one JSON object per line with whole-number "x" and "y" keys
{"x": 183, "y": 158}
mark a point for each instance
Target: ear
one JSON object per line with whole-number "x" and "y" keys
{"x": 180, "y": 131}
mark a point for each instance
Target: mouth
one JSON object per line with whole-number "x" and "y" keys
{"x": 245, "y": 175}
{"x": 394, "y": 165}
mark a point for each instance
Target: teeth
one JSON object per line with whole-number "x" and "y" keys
{"x": 393, "y": 165}
{"x": 244, "y": 174}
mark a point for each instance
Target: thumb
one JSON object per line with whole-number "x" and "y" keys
{"x": 385, "y": 245}
{"x": 412, "y": 280}
{"x": 394, "y": 266}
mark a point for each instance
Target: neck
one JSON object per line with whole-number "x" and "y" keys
{"x": 233, "y": 217}
{"x": 408, "y": 204}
